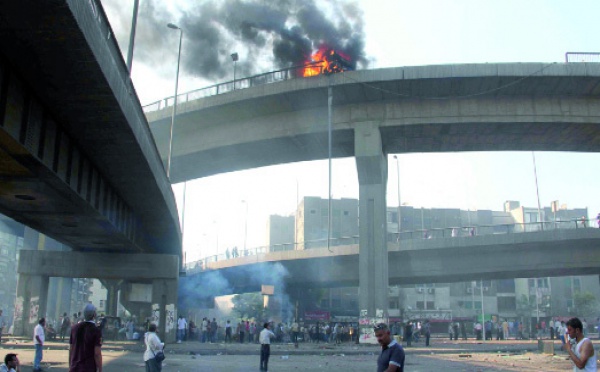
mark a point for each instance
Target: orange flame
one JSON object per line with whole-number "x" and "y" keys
{"x": 323, "y": 62}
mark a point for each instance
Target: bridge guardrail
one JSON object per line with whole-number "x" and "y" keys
{"x": 229, "y": 86}
{"x": 435, "y": 233}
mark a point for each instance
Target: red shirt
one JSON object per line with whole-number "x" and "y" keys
{"x": 85, "y": 336}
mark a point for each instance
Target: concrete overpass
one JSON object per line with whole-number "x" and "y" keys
{"x": 471, "y": 107}
{"x": 549, "y": 253}
{"x": 490, "y": 107}
{"x": 77, "y": 159}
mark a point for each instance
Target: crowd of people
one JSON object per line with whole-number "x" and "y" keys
{"x": 247, "y": 331}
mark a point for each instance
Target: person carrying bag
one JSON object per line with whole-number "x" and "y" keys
{"x": 154, "y": 355}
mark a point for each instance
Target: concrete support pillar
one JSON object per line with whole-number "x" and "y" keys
{"x": 371, "y": 164}
{"x": 30, "y": 306}
{"x": 164, "y": 298}
{"x": 112, "y": 295}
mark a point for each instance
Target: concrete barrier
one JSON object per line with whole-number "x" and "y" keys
{"x": 546, "y": 347}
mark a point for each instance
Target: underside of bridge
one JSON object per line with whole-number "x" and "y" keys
{"x": 77, "y": 159}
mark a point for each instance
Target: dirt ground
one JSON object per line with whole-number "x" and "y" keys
{"x": 125, "y": 361}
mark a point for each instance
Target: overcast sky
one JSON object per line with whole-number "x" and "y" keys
{"x": 379, "y": 33}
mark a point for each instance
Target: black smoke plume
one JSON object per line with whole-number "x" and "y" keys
{"x": 267, "y": 35}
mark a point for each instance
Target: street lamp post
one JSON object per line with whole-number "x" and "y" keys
{"x": 174, "y": 27}
{"x": 245, "y": 226}
{"x": 234, "y": 58}
{"x": 132, "y": 35}
{"x": 399, "y": 203}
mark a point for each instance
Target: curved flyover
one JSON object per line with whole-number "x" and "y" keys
{"x": 471, "y": 107}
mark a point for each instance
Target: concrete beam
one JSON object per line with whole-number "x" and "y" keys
{"x": 131, "y": 267}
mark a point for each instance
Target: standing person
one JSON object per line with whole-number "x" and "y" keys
{"x": 2, "y": 325}
{"x": 153, "y": 346}
{"x": 295, "y": 332}
{"x": 450, "y": 331}
{"x": 85, "y": 353}
{"x": 64, "y": 326}
{"x": 213, "y": 329}
{"x": 463, "y": 330}
{"x": 582, "y": 354}
{"x": 505, "y": 330}
{"x": 265, "y": 346}
{"x": 11, "y": 363}
{"x": 38, "y": 340}
{"x": 455, "y": 327}
{"x": 228, "y": 331}
{"x": 427, "y": 332}
{"x": 408, "y": 333}
{"x": 392, "y": 355}
{"x": 240, "y": 330}
{"x": 181, "y": 326}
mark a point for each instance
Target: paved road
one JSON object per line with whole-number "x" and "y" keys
{"x": 192, "y": 356}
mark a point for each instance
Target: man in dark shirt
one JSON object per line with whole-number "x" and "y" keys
{"x": 391, "y": 358}
{"x": 85, "y": 354}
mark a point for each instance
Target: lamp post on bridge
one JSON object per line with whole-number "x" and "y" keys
{"x": 234, "y": 58}
{"x": 399, "y": 203}
{"x": 174, "y": 27}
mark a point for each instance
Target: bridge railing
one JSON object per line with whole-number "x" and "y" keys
{"x": 229, "y": 86}
{"x": 435, "y": 233}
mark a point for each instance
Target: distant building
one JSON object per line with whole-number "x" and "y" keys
{"x": 281, "y": 233}
{"x": 312, "y": 222}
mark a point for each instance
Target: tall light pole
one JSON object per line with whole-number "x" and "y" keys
{"x": 234, "y": 58}
{"x": 399, "y": 203}
{"x": 132, "y": 35}
{"x": 174, "y": 27}
{"x": 245, "y": 225}
{"x": 537, "y": 191}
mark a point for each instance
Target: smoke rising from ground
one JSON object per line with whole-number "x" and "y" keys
{"x": 267, "y": 35}
{"x": 196, "y": 291}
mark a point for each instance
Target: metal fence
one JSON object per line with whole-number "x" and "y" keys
{"x": 582, "y": 57}
{"x": 437, "y": 233}
{"x": 229, "y": 86}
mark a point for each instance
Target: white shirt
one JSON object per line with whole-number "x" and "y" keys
{"x": 591, "y": 364}
{"x": 153, "y": 345}
{"x": 38, "y": 331}
{"x": 4, "y": 368}
{"x": 181, "y": 323}
{"x": 265, "y": 337}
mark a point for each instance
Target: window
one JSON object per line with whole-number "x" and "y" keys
{"x": 346, "y": 213}
{"x": 4, "y": 251}
{"x": 507, "y": 304}
{"x": 420, "y": 305}
{"x": 576, "y": 285}
{"x": 430, "y": 305}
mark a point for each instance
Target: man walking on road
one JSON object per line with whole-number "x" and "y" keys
{"x": 392, "y": 355}
{"x": 85, "y": 353}
{"x": 38, "y": 340}
{"x": 265, "y": 346}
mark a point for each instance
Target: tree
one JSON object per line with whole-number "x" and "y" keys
{"x": 585, "y": 305}
{"x": 249, "y": 306}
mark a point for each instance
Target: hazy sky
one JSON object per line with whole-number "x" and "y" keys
{"x": 394, "y": 33}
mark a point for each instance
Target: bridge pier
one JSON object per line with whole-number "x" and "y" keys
{"x": 156, "y": 276}
{"x": 371, "y": 164}
{"x": 31, "y": 302}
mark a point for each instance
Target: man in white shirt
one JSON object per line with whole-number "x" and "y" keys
{"x": 11, "y": 364}
{"x": 181, "y": 326}
{"x": 265, "y": 346}
{"x": 38, "y": 340}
